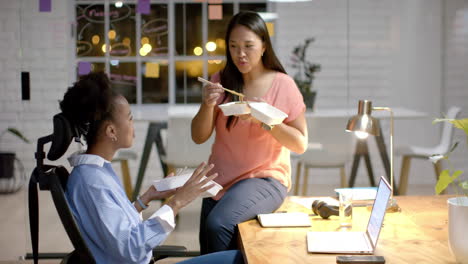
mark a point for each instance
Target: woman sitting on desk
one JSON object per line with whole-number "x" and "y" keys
{"x": 252, "y": 159}
{"x": 111, "y": 225}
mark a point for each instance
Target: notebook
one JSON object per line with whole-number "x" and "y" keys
{"x": 354, "y": 242}
{"x": 295, "y": 219}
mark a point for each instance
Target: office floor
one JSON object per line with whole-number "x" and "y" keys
{"x": 14, "y": 229}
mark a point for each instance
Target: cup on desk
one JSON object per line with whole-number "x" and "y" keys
{"x": 346, "y": 208}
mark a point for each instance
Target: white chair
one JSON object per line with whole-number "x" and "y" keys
{"x": 330, "y": 146}
{"x": 123, "y": 156}
{"x": 181, "y": 151}
{"x": 408, "y": 152}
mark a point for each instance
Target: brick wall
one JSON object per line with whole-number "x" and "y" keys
{"x": 37, "y": 43}
{"x": 456, "y": 69}
{"x": 394, "y": 59}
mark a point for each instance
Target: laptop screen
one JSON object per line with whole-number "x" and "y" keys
{"x": 378, "y": 211}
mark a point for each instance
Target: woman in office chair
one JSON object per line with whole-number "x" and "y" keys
{"x": 112, "y": 225}
{"x": 252, "y": 159}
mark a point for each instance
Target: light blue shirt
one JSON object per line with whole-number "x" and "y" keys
{"x": 112, "y": 227}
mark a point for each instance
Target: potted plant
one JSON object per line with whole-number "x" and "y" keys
{"x": 458, "y": 206}
{"x": 7, "y": 159}
{"x": 306, "y": 71}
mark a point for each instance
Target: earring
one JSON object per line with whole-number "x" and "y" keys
{"x": 114, "y": 139}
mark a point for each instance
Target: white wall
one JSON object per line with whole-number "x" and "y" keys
{"x": 38, "y": 43}
{"x": 409, "y": 53}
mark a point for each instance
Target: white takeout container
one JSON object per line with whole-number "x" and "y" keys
{"x": 174, "y": 182}
{"x": 266, "y": 113}
{"x": 235, "y": 108}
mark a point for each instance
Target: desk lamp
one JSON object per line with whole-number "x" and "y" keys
{"x": 364, "y": 124}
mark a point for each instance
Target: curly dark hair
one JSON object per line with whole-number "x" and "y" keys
{"x": 88, "y": 103}
{"x": 231, "y": 77}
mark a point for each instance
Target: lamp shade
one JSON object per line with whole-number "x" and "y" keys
{"x": 363, "y": 121}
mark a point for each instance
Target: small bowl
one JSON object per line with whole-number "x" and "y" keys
{"x": 235, "y": 108}
{"x": 266, "y": 113}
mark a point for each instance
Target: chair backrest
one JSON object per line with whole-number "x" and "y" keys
{"x": 332, "y": 142}
{"x": 181, "y": 151}
{"x": 446, "y": 137}
{"x": 54, "y": 179}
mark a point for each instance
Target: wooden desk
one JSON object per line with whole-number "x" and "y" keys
{"x": 417, "y": 234}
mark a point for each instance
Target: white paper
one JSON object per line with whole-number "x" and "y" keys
{"x": 293, "y": 219}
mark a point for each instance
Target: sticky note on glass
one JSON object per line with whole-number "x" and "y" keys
{"x": 215, "y": 12}
{"x": 45, "y": 5}
{"x": 152, "y": 70}
{"x": 271, "y": 28}
{"x": 143, "y": 6}
{"x": 84, "y": 67}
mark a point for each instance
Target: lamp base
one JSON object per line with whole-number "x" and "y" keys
{"x": 392, "y": 206}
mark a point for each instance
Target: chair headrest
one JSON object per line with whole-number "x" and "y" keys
{"x": 64, "y": 132}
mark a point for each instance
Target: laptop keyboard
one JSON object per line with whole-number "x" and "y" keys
{"x": 339, "y": 241}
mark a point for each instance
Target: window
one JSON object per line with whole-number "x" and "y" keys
{"x": 153, "y": 58}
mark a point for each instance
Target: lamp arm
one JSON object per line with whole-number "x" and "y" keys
{"x": 391, "y": 143}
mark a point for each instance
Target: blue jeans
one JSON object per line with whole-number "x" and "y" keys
{"x": 228, "y": 257}
{"x": 242, "y": 202}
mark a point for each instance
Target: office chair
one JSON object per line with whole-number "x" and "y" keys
{"x": 408, "y": 152}
{"x": 54, "y": 179}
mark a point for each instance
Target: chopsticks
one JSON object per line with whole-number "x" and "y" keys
{"x": 241, "y": 96}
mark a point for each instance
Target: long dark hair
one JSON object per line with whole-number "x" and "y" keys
{"x": 231, "y": 77}
{"x": 88, "y": 103}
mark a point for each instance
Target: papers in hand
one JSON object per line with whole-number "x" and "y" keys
{"x": 295, "y": 219}
{"x": 173, "y": 182}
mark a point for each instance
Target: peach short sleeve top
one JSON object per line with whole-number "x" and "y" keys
{"x": 249, "y": 151}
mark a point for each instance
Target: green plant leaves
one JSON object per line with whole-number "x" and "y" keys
{"x": 461, "y": 124}
{"x": 464, "y": 185}
{"x": 17, "y": 133}
{"x": 458, "y": 123}
{"x": 445, "y": 179}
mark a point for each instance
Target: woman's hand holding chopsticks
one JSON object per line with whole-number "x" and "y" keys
{"x": 208, "y": 83}
{"x": 211, "y": 92}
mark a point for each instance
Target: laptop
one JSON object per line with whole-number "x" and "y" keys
{"x": 354, "y": 242}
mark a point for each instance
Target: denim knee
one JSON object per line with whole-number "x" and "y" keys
{"x": 215, "y": 224}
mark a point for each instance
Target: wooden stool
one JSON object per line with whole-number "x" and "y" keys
{"x": 308, "y": 166}
{"x": 123, "y": 156}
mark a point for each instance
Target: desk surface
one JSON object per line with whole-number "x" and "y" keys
{"x": 417, "y": 234}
